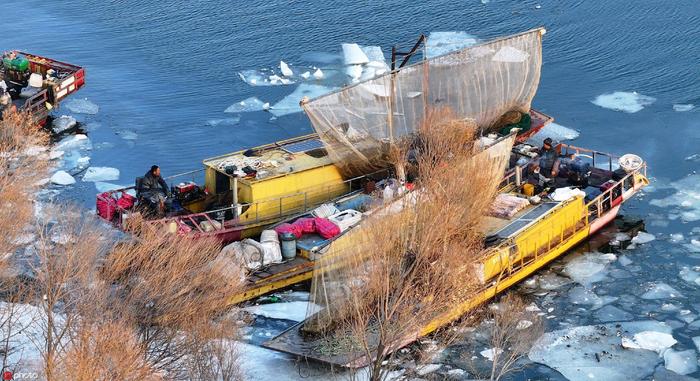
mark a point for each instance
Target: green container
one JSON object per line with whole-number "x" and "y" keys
{"x": 18, "y": 64}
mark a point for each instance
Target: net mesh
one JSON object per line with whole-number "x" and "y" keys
{"x": 481, "y": 82}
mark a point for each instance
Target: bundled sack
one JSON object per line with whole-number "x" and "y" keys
{"x": 325, "y": 228}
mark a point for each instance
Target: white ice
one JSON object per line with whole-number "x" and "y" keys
{"x": 572, "y": 351}
{"x": 427, "y": 369}
{"x": 285, "y": 70}
{"x": 683, "y": 107}
{"x": 660, "y": 290}
{"x": 629, "y": 102}
{"x": 247, "y": 105}
{"x": 73, "y": 142}
{"x": 690, "y": 275}
{"x": 611, "y": 313}
{"x": 354, "y": 71}
{"x": 650, "y": 340}
{"x": 306, "y": 75}
{"x": 106, "y": 187}
{"x": 261, "y": 78}
{"x": 290, "y": 103}
{"x": 643, "y": 237}
{"x": 55, "y": 154}
{"x": 588, "y": 268}
{"x": 583, "y": 296}
{"x": 35, "y": 150}
{"x": 374, "y": 54}
{"x": 62, "y": 178}
{"x": 681, "y": 362}
{"x": 353, "y": 55}
{"x": 296, "y": 311}
{"x": 318, "y": 74}
{"x": 491, "y": 352}
{"x": 555, "y": 131}
{"x": 439, "y": 43}
{"x": 63, "y": 123}
{"x": 81, "y": 106}
{"x": 101, "y": 174}
{"x": 686, "y": 199}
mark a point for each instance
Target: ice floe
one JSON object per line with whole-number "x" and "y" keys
{"x": 681, "y": 362}
{"x": 584, "y": 296}
{"x": 611, "y": 313}
{"x": 556, "y": 132}
{"x": 285, "y": 70}
{"x": 101, "y": 174}
{"x": 62, "y": 178}
{"x": 643, "y": 237}
{"x": 81, "y": 106}
{"x": 63, "y": 123}
{"x": 650, "y": 340}
{"x": 247, "y": 105}
{"x": 596, "y": 352}
{"x": 629, "y": 102}
{"x": 439, "y": 43}
{"x": 263, "y": 78}
{"x": 305, "y": 75}
{"x": 296, "y": 311}
{"x": 588, "y": 268}
{"x": 354, "y": 71}
{"x": 690, "y": 275}
{"x": 686, "y": 199}
{"x": 318, "y": 74}
{"x": 683, "y": 107}
{"x": 353, "y": 55}
{"x": 224, "y": 122}
{"x": 290, "y": 103}
{"x": 660, "y": 290}
{"x": 74, "y": 142}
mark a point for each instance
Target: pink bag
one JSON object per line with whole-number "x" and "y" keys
{"x": 126, "y": 201}
{"x": 106, "y": 206}
{"x": 306, "y": 224}
{"x": 289, "y": 228}
{"x": 326, "y": 228}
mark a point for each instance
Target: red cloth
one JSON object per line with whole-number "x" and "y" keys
{"x": 306, "y": 225}
{"x": 289, "y": 228}
{"x": 106, "y": 206}
{"x": 325, "y": 228}
{"x": 126, "y": 201}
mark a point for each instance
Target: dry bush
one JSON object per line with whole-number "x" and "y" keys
{"x": 515, "y": 330}
{"x": 174, "y": 291}
{"x": 410, "y": 266}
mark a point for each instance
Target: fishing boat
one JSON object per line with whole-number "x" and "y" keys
{"x": 39, "y": 84}
{"x": 481, "y": 83}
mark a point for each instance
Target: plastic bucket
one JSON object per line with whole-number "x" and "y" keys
{"x": 289, "y": 245}
{"x": 529, "y": 190}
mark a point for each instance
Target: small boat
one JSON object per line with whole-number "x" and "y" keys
{"x": 39, "y": 84}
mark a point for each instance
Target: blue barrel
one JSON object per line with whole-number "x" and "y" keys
{"x": 289, "y": 245}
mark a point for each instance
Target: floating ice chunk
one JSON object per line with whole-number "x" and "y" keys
{"x": 290, "y": 103}
{"x": 623, "y": 101}
{"x": 683, "y": 107}
{"x": 687, "y": 197}
{"x": 318, "y": 74}
{"x": 247, "y": 105}
{"x": 354, "y": 71}
{"x": 650, "y": 340}
{"x": 55, "y": 154}
{"x": 625, "y": 260}
{"x": 510, "y": 54}
{"x": 660, "y": 290}
{"x": 73, "y": 142}
{"x": 681, "y": 362}
{"x": 224, "y": 122}
{"x": 532, "y": 308}
{"x": 353, "y": 55}
{"x": 696, "y": 341}
{"x": 555, "y": 131}
{"x": 101, "y": 174}
{"x": 62, "y": 178}
{"x": 588, "y": 268}
{"x": 63, "y": 123}
{"x": 490, "y": 353}
{"x": 439, "y": 43}
{"x": 552, "y": 282}
{"x": 643, "y": 237}
{"x": 584, "y": 296}
{"x": 595, "y": 352}
{"x": 306, "y": 75}
{"x": 296, "y": 311}
{"x": 689, "y": 275}
{"x": 693, "y": 157}
{"x": 374, "y": 55}
{"x": 81, "y": 106}
{"x": 675, "y": 238}
{"x": 286, "y": 71}
{"x": 277, "y": 80}
{"x": 611, "y": 313}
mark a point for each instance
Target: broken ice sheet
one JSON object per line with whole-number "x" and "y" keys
{"x": 224, "y": 121}
{"x": 290, "y": 103}
{"x": 611, "y": 313}
{"x": 439, "y": 43}
{"x": 642, "y": 238}
{"x": 660, "y": 290}
{"x": 247, "y": 105}
{"x": 583, "y": 296}
{"x": 588, "y": 268}
{"x": 81, "y": 106}
{"x": 629, "y": 102}
{"x": 595, "y": 351}
{"x": 101, "y": 174}
{"x": 556, "y": 132}
{"x": 353, "y": 55}
{"x": 681, "y": 362}
{"x": 686, "y": 199}
{"x": 63, "y": 123}
{"x": 683, "y": 107}
{"x": 261, "y": 78}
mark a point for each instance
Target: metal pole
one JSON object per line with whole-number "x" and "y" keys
{"x": 234, "y": 185}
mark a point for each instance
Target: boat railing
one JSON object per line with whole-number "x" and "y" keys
{"x": 613, "y": 196}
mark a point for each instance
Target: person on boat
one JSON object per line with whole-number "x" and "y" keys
{"x": 536, "y": 178}
{"x": 549, "y": 159}
{"x": 154, "y": 189}
{"x": 575, "y": 170}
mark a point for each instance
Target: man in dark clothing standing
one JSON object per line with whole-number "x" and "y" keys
{"x": 154, "y": 189}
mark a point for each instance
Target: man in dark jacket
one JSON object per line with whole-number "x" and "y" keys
{"x": 154, "y": 188}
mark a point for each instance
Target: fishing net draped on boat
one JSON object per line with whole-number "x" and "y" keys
{"x": 481, "y": 82}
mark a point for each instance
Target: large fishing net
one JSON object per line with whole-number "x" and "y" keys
{"x": 482, "y": 83}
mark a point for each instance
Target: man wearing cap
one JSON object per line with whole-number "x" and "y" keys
{"x": 154, "y": 188}
{"x": 549, "y": 159}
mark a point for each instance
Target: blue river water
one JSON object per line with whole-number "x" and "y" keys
{"x": 162, "y": 74}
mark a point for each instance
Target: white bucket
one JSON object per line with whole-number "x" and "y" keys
{"x": 346, "y": 219}
{"x": 269, "y": 236}
{"x": 36, "y": 80}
